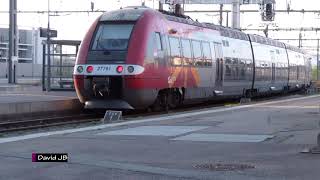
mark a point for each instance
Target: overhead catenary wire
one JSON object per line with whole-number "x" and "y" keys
{"x": 187, "y": 11}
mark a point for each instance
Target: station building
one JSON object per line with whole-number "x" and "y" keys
{"x": 29, "y": 52}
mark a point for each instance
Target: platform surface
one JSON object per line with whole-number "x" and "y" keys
{"x": 28, "y": 98}
{"x": 249, "y": 142}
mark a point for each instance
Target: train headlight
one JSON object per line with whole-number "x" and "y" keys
{"x": 80, "y": 69}
{"x": 90, "y": 69}
{"x": 119, "y": 69}
{"x": 130, "y": 69}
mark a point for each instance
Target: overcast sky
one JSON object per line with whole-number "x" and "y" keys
{"x": 73, "y": 26}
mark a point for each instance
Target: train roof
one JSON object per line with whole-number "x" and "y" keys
{"x": 125, "y": 14}
{"x": 135, "y": 12}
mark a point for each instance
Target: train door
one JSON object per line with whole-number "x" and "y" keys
{"x": 175, "y": 62}
{"x": 158, "y": 52}
{"x": 219, "y": 65}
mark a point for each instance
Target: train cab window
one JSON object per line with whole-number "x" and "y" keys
{"x": 197, "y": 53}
{"x": 158, "y": 41}
{"x": 176, "y": 59}
{"x": 112, "y": 37}
{"x": 207, "y": 58}
{"x": 186, "y": 51}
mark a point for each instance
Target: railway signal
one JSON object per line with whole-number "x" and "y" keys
{"x": 266, "y": 7}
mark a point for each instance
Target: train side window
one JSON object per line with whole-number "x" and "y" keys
{"x": 158, "y": 41}
{"x": 207, "y": 57}
{"x": 228, "y": 66}
{"x": 228, "y": 60}
{"x": 175, "y": 51}
{"x": 228, "y": 72}
{"x": 186, "y": 51}
{"x": 235, "y": 61}
{"x": 197, "y": 53}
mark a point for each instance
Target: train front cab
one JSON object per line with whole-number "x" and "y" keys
{"x": 111, "y": 70}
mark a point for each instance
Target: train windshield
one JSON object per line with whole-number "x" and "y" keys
{"x": 112, "y": 37}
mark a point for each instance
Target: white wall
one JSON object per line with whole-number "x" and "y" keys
{"x": 23, "y": 70}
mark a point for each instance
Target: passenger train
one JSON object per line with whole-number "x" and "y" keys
{"x": 136, "y": 58}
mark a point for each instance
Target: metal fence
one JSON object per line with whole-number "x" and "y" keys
{"x": 57, "y": 75}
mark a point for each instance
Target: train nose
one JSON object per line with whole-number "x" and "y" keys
{"x": 109, "y": 87}
{"x": 101, "y": 89}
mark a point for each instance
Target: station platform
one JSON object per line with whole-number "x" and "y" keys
{"x": 259, "y": 141}
{"x": 19, "y": 100}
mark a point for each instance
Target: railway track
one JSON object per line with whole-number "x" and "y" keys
{"x": 21, "y": 125}
{"x": 45, "y": 122}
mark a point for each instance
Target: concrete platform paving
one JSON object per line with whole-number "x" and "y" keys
{"x": 17, "y": 99}
{"x": 267, "y": 136}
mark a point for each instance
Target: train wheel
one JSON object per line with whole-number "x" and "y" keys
{"x": 161, "y": 103}
{"x": 174, "y": 98}
{"x": 166, "y": 100}
{"x": 157, "y": 104}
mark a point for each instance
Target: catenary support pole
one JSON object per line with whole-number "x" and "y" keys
{"x": 318, "y": 60}
{"x": 13, "y": 39}
{"x": 221, "y": 14}
{"x": 48, "y": 51}
{"x": 236, "y": 14}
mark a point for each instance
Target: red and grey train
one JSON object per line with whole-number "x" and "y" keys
{"x": 135, "y": 58}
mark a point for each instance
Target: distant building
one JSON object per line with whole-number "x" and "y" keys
{"x": 29, "y": 53}
{"x": 29, "y": 50}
